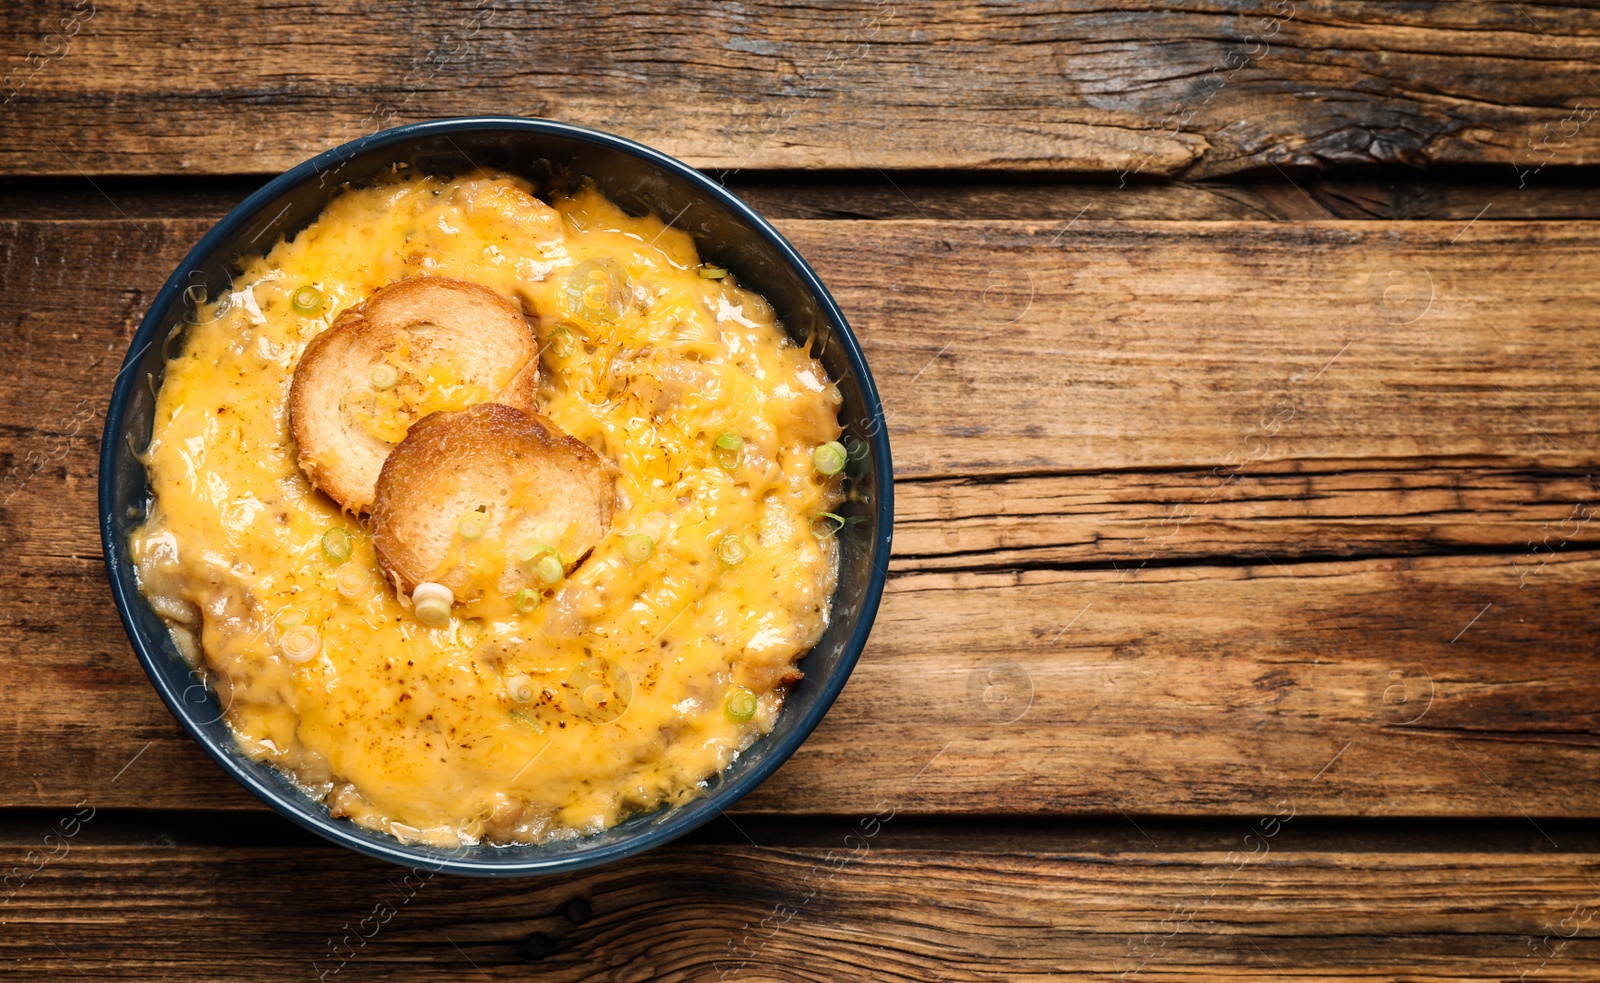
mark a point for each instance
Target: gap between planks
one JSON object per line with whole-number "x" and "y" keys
{"x": 1488, "y": 195}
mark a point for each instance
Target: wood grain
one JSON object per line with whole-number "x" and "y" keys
{"x": 1255, "y": 347}
{"x": 1453, "y": 685}
{"x": 1128, "y": 519}
{"x": 1006, "y": 348}
{"x": 1135, "y": 89}
{"x": 857, "y": 910}
{"x": 1214, "y": 509}
{"x": 1130, "y": 478}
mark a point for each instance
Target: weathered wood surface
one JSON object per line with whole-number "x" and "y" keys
{"x": 852, "y": 909}
{"x": 1006, "y": 348}
{"x": 1240, "y": 479}
{"x": 1445, "y": 685}
{"x": 1491, "y": 197}
{"x": 1157, "y": 518}
{"x": 1134, "y": 88}
{"x": 1208, "y": 598}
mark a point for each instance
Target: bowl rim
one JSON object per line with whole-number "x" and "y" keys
{"x": 300, "y": 808}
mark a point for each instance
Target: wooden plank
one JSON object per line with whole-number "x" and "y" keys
{"x": 1128, "y": 519}
{"x": 1006, "y": 348}
{"x": 1206, "y": 687}
{"x": 1445, "y": 685}
{"x": 857, "y": 909}
{"x": 1134, "y": 89}
{"x": 1242, "y": 346}
{"x": 1396, "y": 687}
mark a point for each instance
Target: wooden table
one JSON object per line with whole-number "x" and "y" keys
{"x": 1242, "y": 374}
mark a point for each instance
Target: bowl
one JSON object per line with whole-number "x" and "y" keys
{"x": 727, "y": 232}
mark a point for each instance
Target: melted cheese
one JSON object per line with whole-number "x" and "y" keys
{"x": 412, "y": 729}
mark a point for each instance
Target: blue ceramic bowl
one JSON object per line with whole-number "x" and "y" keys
{"x": 639, "y": 179}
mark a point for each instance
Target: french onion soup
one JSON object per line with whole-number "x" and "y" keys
{"x": 491, "y": 517}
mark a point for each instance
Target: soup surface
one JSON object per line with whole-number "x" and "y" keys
{"x": 638, "y": 676}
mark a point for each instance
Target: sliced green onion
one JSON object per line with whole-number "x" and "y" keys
{"x": 290, "y": 618}
{"x": 434, "y": 614}
{"x": 547, "y": 565}
{"x": 728, "y": 450}
{"x": 337, "y": 544}
{"x": 560, "y": 342}
{"x": 532, "y": 550}
{"x": 431, "y": 591}
{"x": 548, "y": 568}
{"x": 741, "y": 704}
{"x": 826, "y": 524}
{"x": 830, "y": 458}
{"x": 385, "y": 376}
{"x": 713, "y": 272}
{"x": 527, "y": 600}
{"x": 308, "y": 300}
{"x": 301, "y": 644}
{"x": 638, "y": 548}
{"x": 527, "y": 721}
{"x": 473, "y": 524}
{"x": 654, "y": 525}
{"x": 731, "y": 550}
{"x": 470, "y": 632}
{"x": 353, "y": 581}
{"x": 431, "y": 604}
{"x": 520, "y": 688}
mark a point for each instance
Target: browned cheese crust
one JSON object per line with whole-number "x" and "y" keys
{"x": 533, "y": 484}
{"x": 334, "y": 401}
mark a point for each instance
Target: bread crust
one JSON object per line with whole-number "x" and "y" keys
{"x": 486, "y": 340}
{"x": 523, "y": 472}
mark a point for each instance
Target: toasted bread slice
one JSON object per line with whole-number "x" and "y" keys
{"x": 415, "y": 347}
{"x": 535, "y": 486}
